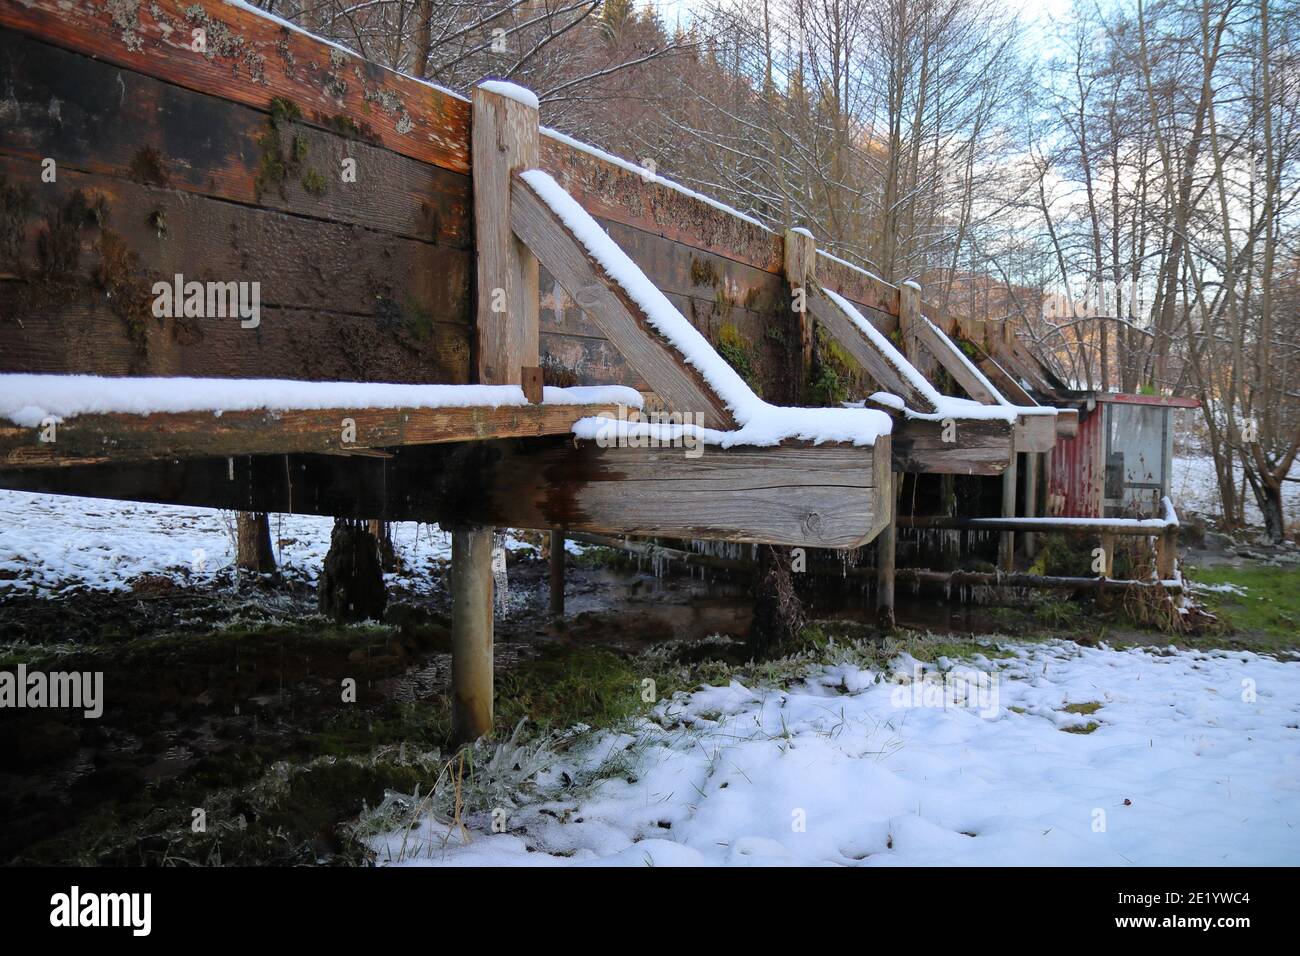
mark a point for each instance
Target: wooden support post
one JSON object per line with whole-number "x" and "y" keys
{"x": 910, "y": 331}
{"x": 556, "y": 558}
{"x": 1031, "y": 500}
{"x": 471, "y": 632}
{"x": 800, "y": 269}
{"x": 1167, "y": 553}
{"x": 885, "y": 551}
{"x": 1007, "y": 543}
{"x": 504, "y": 141}
{"x": 1108, "y": 555}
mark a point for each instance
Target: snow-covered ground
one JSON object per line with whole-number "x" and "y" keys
{"x": 1195, "y": 760}
{"x": 52, "y": 544}
{"x": 1195, "y": 488}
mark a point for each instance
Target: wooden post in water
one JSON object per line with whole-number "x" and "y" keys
{"x": 471, "y": 632}
{"x": 504, "y": 140}
{"x": 886, "y": 546}
{"x": 557, "y": 575}
{"x": 1007, "y": 542}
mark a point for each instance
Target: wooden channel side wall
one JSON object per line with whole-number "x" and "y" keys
{"x": 225, "y": 165}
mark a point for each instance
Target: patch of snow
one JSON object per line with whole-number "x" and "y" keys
{"x": 57, "y": 544}
{"x": 761, "y": 423}
{"x": 856, "y": 768}
{"x": 512, "y": 91}
{"x": 1195, "y": 487}
{"x": 27, "y": 400}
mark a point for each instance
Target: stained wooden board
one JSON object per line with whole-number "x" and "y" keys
{"x": 589, "y": 361}
{"x": 609, "y": 191}
{"x": 816, "y": 496}
{"x": 298, "y": 262}
{"x": 982, "y": 447}
{"x": 94, "y": 439}
{"x": 823, "y": 496}
{"x": 251, "y": 59}
{"x": 611, "y": 308}
{"x": 846, "y": 332}
{"x": 71, "y": 328}
{"x": 1035, "y": 433}
{"x": 92, "y": 116}
{"x": 1067, "y": 422}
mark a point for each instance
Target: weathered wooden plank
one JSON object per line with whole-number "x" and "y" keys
{"x": 506, "y": 328}
{"x": 76, "y": 328}
{"x": 117, "y": 122}
{"x": 95, "y": 439}
{"x": 860, "y": 347}
{"x": 823, "y": 496}
{"x": 252, "y": 59}
{"x": 981, "y": 447}
{"x": 859, "y": 287}
{"x": 609, "y": 191}
{"x": 582, "y": 360}
{"x": 1067, "y": 422}
{"x": 609, "y": 306}
{"x": 297, "y": 262}
{"x": 1035, "y": 433}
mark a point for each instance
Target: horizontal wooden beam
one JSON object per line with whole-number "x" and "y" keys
{"x": 1035, "y": 433}
{"x": 1067, "y": 422}
{"x": 609, "y": 306}
{"x": 977, "y": 446}
{"x": 817, "y": 496}
{"x": 94, "y": 439}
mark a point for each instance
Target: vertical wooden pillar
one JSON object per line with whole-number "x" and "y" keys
{"x": 471, "y": 632}
{"x": 557, "y": 575}
{"x": 1167, "y": 553}
{"x": 1007, "y": 542}
{"x": 800, "y": 269}
{"x": 886, "y": 548}
{"x": 503, "y": 141}
{"x": 909, "y": 317}
{"x": 1031, "y": 499}
{"x": 1108, "y": 555}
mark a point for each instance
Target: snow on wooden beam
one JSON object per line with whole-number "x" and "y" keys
{"x": 610, "y": 307}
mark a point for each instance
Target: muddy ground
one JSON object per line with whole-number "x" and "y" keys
{"x": 225, "y": 705}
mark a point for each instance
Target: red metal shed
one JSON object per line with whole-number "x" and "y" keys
{"x": 1121, "y": 460}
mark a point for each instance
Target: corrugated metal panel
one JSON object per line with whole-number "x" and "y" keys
{"x": 1075, "y": 485}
